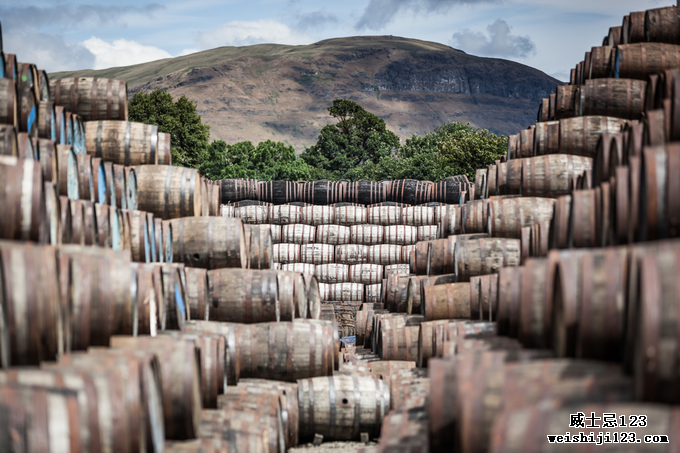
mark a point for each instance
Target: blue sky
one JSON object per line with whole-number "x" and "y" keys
{"x": 549, "y": 35}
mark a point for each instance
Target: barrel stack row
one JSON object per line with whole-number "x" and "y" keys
{"x": 133, "y": 317}
{"x": 244, "y": 192}
{"x": 586, "y": 320}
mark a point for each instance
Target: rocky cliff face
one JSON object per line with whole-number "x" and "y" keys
{"x": 281, "y": 92}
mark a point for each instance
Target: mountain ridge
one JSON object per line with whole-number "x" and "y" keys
{"x": 281, "y": 92}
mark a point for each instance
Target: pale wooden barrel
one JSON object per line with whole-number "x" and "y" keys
{"x": 298, "y": 234}
{"x": 257, "y": 215}
{"x": 333, "y": 234}
{"x": 22, "y": 195}
{"x": 342, "y": 407}
{"x": 318, "y": 215}
{"x": 399, "y": 343}
{"x": 385, "y": 215}
{"x": 428, "y": 233}
{"x": 449, "y": 301}
{"x": 243, "y": 295}
{"x": 91, "y": 97}
{"x": 8, "y": 103}
{"x": 351, "y": 215}
{"x": 317, "y": 253}
{"x": 53, "y": 214}
{"x": 145, "y": 298}
{"x": 351, "y": 254}
{"x": 552, "y": 175}
{"x": 419, "y": 216}
{"x": 286, "y": 253}
{"x": 304, "y": 268}
{"x": 8, "y": 141}
{"x": 367, "y": 234}
{"x": 368, "y": 274}
{"x": 174, "y": 311}
{"x": 181, "y": 381}
{"x": 227, "y": 210}
{"x": 386, "y": 254}
{"x": 400, "y": 235}
{"x": 292, "y": 294}
{"x": 31, "y": 304}
{"x": 49, "y": 158}
{"x": 332, "y": 273}
{"x": 197, "y": 298}
{"x": 398, "y": 269}
{"x": 373, "y": 293}
{"x": 259, "y": 246}
{"x": 238, "y": 430}
{"x": 285, "y": 214}
{"x": 507, "y": 216}
{"x": 485, "y": 256}
{"x": 313, "y": 296}
{"x": 168, "y": 192}
{"x": 345, "y": 292}
{"x": 165, "y": 152}
{"x": 122, "y": 142}
{"x": 209, "y": 242}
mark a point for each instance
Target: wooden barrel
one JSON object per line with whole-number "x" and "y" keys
{"x": 303, "y": 268}
{"x": 259, "y": 247}
{"x": 321, "y": 192}
{"x": 366, "y": 234}
{"x": 179, "y": 363}
{"x": 474, "y": 216}
{"x": 8, "y": 141}
{"x": 285, "y": 214}
{"x": 92, "y": 98}
{"x": 147, "y": 295}
{"x": 168, "y": 192}
{"x": 209, "y": 242}
{"x": 165, "y": 153}
{"x": 239, "y": 429}
{"x": 396, "y": 291}
{"x": 243, "y": 295}
{"x": 552, "y": 175}
{"x": 286, "y": 253}
{"x": 197, "y": 296}
{"x": 9, "y": 112}
{"x": 484, "y": 297}
{"x": 351, "y": 254}
{"x": 385, "y": 215}
{"x": 21, "y": 196}
{"x": 46, "y": 120}
{"x": 333, "y": 234}
{"x": 620, "y": 98}
{"x": 342, "y": 407}
{"x": 427, "y": 233}
{"x": 598, "y": 63}
{"x": 449, "y": 301}
{"x": 25, "y": 149}
{"x": 292, "y": 295}
{"x": 579, "y": 136}
{"x": 574, "y": 381}
{"x": 342, "y": 292}
{"x": 46, "y": 153}
{"x": 400, "y": 235}
{"x": 267, "y": 410}
{"x": 419, "y": 216}
{"x": 351, "y": 215}
{"x": 277, "y": 192}
{"x": 28, "y": 110}
{"x": 638, "y": 61}
{"x": 484, "y": 256}
{"x": 385, "y": 254}
{"x": 53, "y": 214}
{"x": 365, "y": 192}
{"x": 298, "y": 234}
{"x": 122, "y": 142}
{"x": 232, "y": 190}
{"x": 410, "y": 191}
{"x": 508, "y": 216}
{"x": 367, "y": 274}
{"x": 449, "y": 190}
{"x": 583, "y": 229}
{"x": 332, "y": 273}
{"x": 317, "y": 253}
{"x": 400, "y": 343}
{"x": 565, "y": 101}
{"x": 27, "y": 313}
{"x": 318, "y": 215}
{"x": 509, "y": 177}
{"x": 661, "y": 25}
{"x": 373, "y": 293}
{"x": 313, "y": 296}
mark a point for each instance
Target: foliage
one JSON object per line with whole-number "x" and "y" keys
{"x": 267, "y": 161}
{"x": 190, "y": 137}
{"x": 359, "y": 138}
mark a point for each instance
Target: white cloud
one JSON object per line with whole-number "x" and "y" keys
{"x": 122, "y": 52}
{"x": 243, "y": 33}
{"x": 50, "y": 52}
{"x": 498, "y": 43}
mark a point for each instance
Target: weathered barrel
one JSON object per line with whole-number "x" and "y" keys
{"x": 449, "y": 301}
{"x": 508, "y": 216}
{"x": 661, "y": 25}
{"x": 286, "y": 253}
{"x": 122, "y": 142}
{"x": 179, "y": 363}
{"x": 140, "y": 242}
{"x": 565, "y": 101}
{"x": 165, "y": 153}
{"x": 92, "y": 98}
{"x": 168, "y": 192}
{"x": 365, "y": 192}
{"x": 485, "y": 256}
{"x": 322, "y": 192}
{"x": 197, "y": 296}
{"x": 333, "y": 234}
{"x": 509, "y": 177}
{"x": 303, "y": 268}
{"x": 243, "y": 295}
{"x": 8, "y": 103}
{"x": 351, "y": 254}
{"x": 318, "y": 215}
{"x": 252, "y": 214}
{"x": 367, "y": 234}
{"x": 298, "y": 234}
{"x": 22, "y": 195}
{"x": 317, "y": 253}
{"x": 638, "y": 61}
{"x": 552, "y": 175}
{"x": 285, "y": 214}
{"x": 367, "y": 274}
{"x": 8, "y": 141}
{"x": 147, "y": 295}
{"x": 341, "y": 292}
{"x": 365, "y": 402}
{"x": 419, "y": 215}
{"x": 260, "y": 247}
{"x": 232, "y": 190}
{"x": 449, "y": 190}
{"x": 351, "y": 215}
{"x": 410, "y": 191}
{"x": 400, "y": 235}
{"x": 579, "y": 136}
{"x": 209, "y": 242}
{"x": 332, "y": 273}
{"x": 386, "y": 254}
{"x": 292, "y": 295}
{"x": 400, "y": 343}
{"x": 385, "y": 215}
{"x": 277, "y": 192}
{"x": 621, "y": 98}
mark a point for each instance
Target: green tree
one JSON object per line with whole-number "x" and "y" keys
{"x": 267, "y": 161}
{"x": 355, "y": 144}
{"x": 190, "y": 137}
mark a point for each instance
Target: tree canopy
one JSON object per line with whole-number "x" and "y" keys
{"x": 190, "y": 137}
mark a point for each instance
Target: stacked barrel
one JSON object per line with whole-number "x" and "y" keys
{"x": 553, "y": 293}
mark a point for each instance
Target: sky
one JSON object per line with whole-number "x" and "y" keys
{"x": 546, "y": 34}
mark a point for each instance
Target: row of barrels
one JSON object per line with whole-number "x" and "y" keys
{"x": 349, "y": 254}
{"x": 315, "y": 215}
{"x": 363, "y": 192}
{"x": 364, "y": 234}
